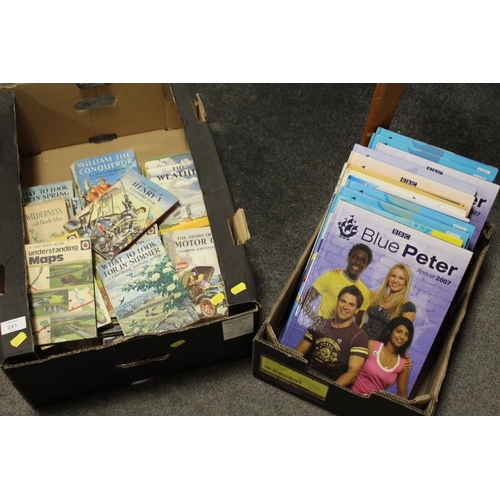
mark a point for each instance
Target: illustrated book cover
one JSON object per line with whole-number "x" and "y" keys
{"x": 195, "y": 258}
{"x": 122, "y": 214}
{"x": 486, "y": 191}
{"x": 61, "y": 291}
{"x": 44, "y": 220}
{"x": 434, "y": 270}
{"x": 440, "y": 155}
{"x": 146, "y": 291}
{"x": 45, "y": 192}
{"x": 178, "y": 175}
{"x": 93, "y": 176}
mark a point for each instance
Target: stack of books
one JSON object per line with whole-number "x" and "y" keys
{"x": 98, "y": 265}
{"x": 396, "y": 241}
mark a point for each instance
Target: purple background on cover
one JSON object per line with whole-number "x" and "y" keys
{"x": 431, "y": 298}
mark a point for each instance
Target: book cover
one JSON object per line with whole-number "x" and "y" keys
{"x": 44, "y": 220}
{"x": 146, "y": 291}
{"x": 61, "y": 291}
{"x": 486, "y": 192}
{"x": 178, "y": 175}
{"x": 93, "y": 176}
{"x": 122, "y": 214}
{"x": 406, "y": 177}
{"x": 439, "y": 154}
{"x": 195, "y": 258}
{"x": 435, "y": 270}
{"x": 482, "y": 172}
{"x": 45, "y": 192}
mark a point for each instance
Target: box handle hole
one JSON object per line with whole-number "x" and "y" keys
{"x": 98, "y": 102}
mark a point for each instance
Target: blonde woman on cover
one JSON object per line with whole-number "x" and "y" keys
{"x": 389, "y": 301}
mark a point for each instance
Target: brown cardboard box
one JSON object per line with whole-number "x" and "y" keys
{"x": 51, "y": 126}
{"x": 286, "y": 369}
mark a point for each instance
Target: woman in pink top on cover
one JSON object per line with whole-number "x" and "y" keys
{"x": 386, "y": 360}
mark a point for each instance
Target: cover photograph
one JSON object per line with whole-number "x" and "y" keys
{"x": 397, "y": 272}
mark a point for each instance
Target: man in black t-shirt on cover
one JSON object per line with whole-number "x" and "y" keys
{"x": 340, "y": 347}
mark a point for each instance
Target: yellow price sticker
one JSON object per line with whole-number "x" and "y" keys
{"x": 18, "y": 339}
{"x": 240, "y": 287}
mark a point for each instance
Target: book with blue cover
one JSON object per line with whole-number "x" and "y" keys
{"x": 435, "y": 268}
{"x": 484, "y": 172}
{"x": 456, "y": 235}
{"x": 94, "y": 175}
{"x": 458, "y": 224}
{"x": 486, "y": 191}
{"x": 439, "y": 154}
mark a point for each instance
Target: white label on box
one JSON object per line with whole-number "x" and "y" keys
{"x": 13, "y": 325}
{"x": 237, "y": 327}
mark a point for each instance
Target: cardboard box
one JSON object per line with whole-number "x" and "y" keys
{"x": 285, "y": 368}
{"x": 50, "y": 126}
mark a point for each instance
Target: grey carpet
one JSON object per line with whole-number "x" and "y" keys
{"x": 282, "y": 148}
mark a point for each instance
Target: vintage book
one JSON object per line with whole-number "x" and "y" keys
{"x": 44, "y": 220}
{"x": 484, "y": 172}
{"x": 178, "y": 175}
{"x": 396, "y": 201}
{"x": 195, "y": 258}
{"x": 95, "y": 175}
{"x": 61, "y": 291}
{"x": 435, "y": 267}
{"x": 486, "y": 191}
{"x": 397, "y": 188}
{"x": 45, "y": 192}
{"x": 440, "y": 155}
{"x": 405, "y": 177}
{"x": 122, "y": 214}
{"x": 146, "y": 291}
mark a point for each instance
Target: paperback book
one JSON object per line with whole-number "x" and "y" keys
{"x": 44, "y": 220}
{"x": 122, "y": 214}
{"x": 178, "y": 175}
{"x": 433, "y": 271}
{"x": 45, "y": 192}
{"x": 195, "y": 258}
{"x": 145, "y": 290}
{"x": 93, "y": 176}
{"x": 61, "y": 291}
